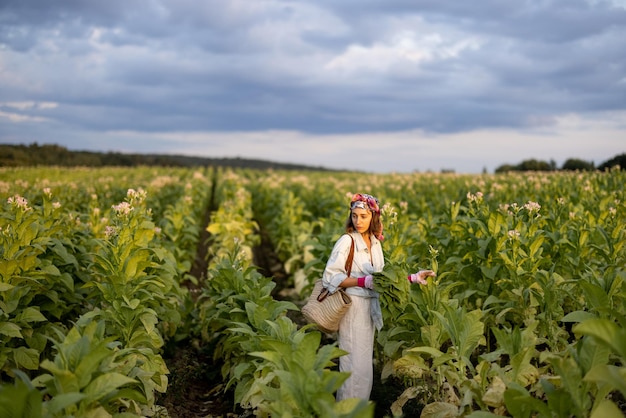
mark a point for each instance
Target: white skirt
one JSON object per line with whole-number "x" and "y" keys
{"x": 356, "y": 336}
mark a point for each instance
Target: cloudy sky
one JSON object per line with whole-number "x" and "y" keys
{"x": 374, "y": 85}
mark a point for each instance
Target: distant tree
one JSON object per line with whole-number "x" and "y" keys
{"x": 618, "y": 160}
{"x": 528, "y": 165}
{"x": 534, "y": 165}
{"x": 574, "y": 164}
{"x": 505, "y": 168}
{"x": 553, "y": 165}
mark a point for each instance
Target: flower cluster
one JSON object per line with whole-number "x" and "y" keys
{"x": 388, "y": 214}
{"x": 4, "y": 187}
{"x": 478, "y": 197}
{"x": 136, "y": 195}
{"x": 532, "y": 206}
{"x": 110, "y": 231}
{"x": 514, "y": 234}
{"x": 19, "y": 202}
{"x": 123, "y": 209}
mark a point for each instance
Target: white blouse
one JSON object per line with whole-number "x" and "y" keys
{"x": 362, "y": 263}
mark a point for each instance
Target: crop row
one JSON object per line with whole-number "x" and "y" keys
{"x": 90, "y": 287}
{"x": 525, "y": 317}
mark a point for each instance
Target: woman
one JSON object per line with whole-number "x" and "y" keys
{"x": 356, "y": 329}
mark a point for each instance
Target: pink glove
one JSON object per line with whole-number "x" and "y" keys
{"x": 420, "y": 276}
{"x": 366, "y": 281}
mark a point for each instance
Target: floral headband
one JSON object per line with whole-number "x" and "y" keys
{"x": 365, "y": 201}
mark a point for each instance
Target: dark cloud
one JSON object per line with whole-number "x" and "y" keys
{"x": 324, "y": 67}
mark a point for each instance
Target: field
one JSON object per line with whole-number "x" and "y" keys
{"x": 170, "y": 292}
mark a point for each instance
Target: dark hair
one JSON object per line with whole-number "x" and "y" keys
{"x": 376, "y": 226}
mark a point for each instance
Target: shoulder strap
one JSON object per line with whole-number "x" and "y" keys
{"x": 350, "y": 257}
{"x": 324, "y": 293}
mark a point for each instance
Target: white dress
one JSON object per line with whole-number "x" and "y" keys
{"x": 356, "y": 329}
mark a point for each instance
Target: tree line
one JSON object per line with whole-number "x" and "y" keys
{"x": 571, "y": 164}
{"x": 56, "y": 155}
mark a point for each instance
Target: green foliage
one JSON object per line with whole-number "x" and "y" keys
{"x": 577, "y": 164}
{"x": 56, "y": 155}
{"x": 525, "y": 316}
{"x": 134, "y": 281}
{"x": 38, "y": 294}
{"x": 84, "y": 376}
{"x": 294, "y": 377}
{"x": 276, "y": 368}
{"x": 20, "y": 400}
{"x": 528, "y": 165}
{"x": 618, "y": 162}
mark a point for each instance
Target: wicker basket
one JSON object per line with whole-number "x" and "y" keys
{"x": 328, "y": 311}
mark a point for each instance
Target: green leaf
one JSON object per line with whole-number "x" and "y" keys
{"x": 578, "y": 316}
{"x": 535, "y": 247}
{"x": 483, "y": 414}
{"x": 591, "y": 353}
{"x": 27, "y": 358}
{"x": 101, "y": 412}
{"x": 271, "y": 356}
{"x": 59, "y": 402}
{"x": 10, "y": 330}
{"x": 90, "y": 363}
{"x": 432, "y": 351}
{"x": 30, "y": 314}
{"x": 5, "y": 287}
{"x": 595, "y": 296}
{"x": 606, "y": 409}
{"x": 522, "y": 370}
{"x": 606, "y": 331}
{"x": 74, "y": 351}
{"x": 355, "y": 407}
{"x": 64, "y": 380}
{"x": 495, "y": 223}
{"x": 134, "y": 303}
{"x": 105, "y": 384}
{"x": 520, "y": 404}
{"x": 440, "y": 410}
{"x": 21, "y": 400}
{"x": 149, "y": 321}
{"x": 613, "y": 376}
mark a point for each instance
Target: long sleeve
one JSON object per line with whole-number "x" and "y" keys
{"x": 335, "y": 273}
{"x": 362, "y": 264}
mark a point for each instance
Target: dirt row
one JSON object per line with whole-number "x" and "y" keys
{"x": 195, "y": 388}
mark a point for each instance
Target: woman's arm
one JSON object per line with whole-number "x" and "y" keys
{"x": 334, "y": 275}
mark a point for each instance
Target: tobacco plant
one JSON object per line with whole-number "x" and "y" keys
{"x": 135, "y": 291}
{"x": 38, "y": 266}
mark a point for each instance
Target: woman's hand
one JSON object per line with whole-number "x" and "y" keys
{"x": 420, "y": 276}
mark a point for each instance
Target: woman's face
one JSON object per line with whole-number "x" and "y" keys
{"x": 361, "y": 219}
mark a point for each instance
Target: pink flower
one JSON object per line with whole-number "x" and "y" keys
{"x": 19, "y": 202}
